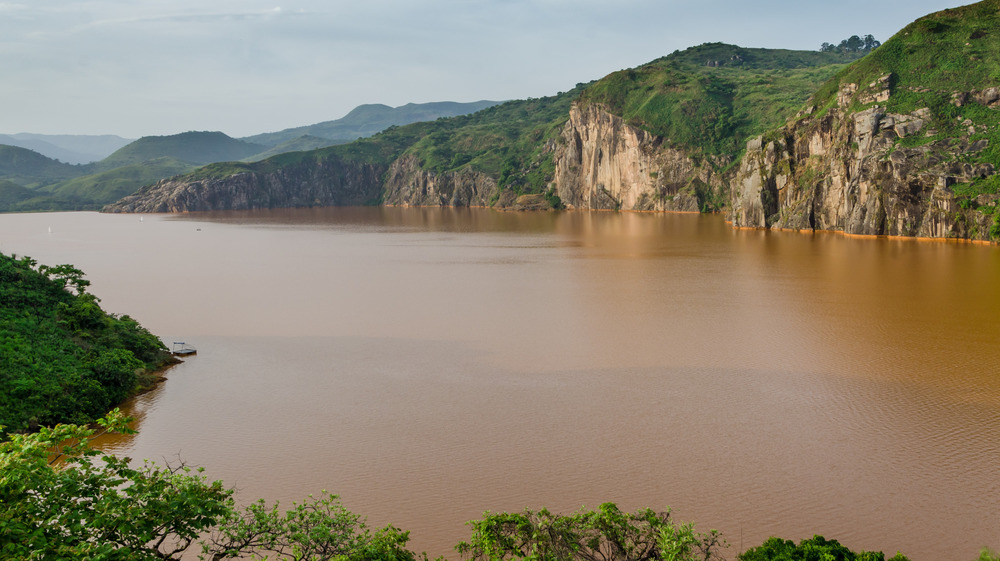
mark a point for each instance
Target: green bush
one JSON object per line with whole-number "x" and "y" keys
{"x": 63, "y": 359}
{"x": 816, "y": 548}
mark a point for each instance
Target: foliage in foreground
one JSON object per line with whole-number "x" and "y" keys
{"x": 62, "y": 499}
{"x": 62, "y": 358}
{"x": 816, "y": 548}
{"x": 606, "y": 534}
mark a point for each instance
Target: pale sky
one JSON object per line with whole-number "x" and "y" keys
{"x": 156, "y": 67}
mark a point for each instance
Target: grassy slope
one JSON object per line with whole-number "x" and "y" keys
{"x": 299, "y": 144}
{"x": 713, "y": 97}
{"x": 951, "y": 51}
{"x": 197, "y": 148}
{"x": 708, "y": 108}
{"x": 31, "y": 169}
{"x": 100, "y": 188}
{"x": 62, "y": 359}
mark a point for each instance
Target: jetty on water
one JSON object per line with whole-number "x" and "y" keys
{"x": 183, "y": 349}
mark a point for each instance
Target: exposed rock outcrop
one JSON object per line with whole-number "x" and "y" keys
{"x": 406, "y": 184}
{"x": 604, "y": 163}
{"x": 312, "y": 182}
{"x": 848, "y": 171}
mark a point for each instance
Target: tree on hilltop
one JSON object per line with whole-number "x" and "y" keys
{"x": 853, "y": 44}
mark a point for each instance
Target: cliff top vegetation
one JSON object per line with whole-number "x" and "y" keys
{"x": 946, "y": 62}
{"x": 713, "y": 97}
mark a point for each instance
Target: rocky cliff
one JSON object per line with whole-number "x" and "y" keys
{"x": 851, "y": 171}
{"x": 905, "y": 142}
{"x": 311, "y": 182}
{"x": 602, "y": 162}
{"x": 407, "y": 184}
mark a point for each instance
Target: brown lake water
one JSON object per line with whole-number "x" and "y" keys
{"x": 430, "y": 364}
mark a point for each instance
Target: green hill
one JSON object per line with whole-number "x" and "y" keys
{"x": 709, "y": 98}
{"x": 715, "y": 96}
{"x": 97, "y": 189}
{"x": 15, "y": 198}
{"x": 11, "y": 193}
{"x": 62, "y": 359}
{"x": 299, "y": 144}
{"x": 366, "y": 120}
{"x": 947, "y": 62}
{"x": 503, "y": 140}
{"x": 31, "y": 169}
{"x": 904, "y": 142}
{"x": 196, "y": 148}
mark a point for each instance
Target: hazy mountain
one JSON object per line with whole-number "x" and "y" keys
{"x": 72, "y": 149}
{"x": 197, "y": 148}
{"x": 366, "y": 120}
{"x": 299, "y": 144}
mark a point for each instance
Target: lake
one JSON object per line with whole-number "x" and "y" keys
{"x": 431, "y": 364}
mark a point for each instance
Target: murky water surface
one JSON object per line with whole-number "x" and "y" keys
{"x": 431, "y": 364}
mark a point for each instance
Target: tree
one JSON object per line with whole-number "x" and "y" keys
{"x": 605, "y": 534}
{"x": 62, "y": 499}
{"x": 853, "y": 44}
{"x": 816, "y": 548}
{"x": 62, "y": 358}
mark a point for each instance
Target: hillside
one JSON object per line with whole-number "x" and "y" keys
{"x": 366, "y": 120}
{"x": 904, "y": 142}
{"x": 514, "y": 155}
{"x": 714, "y": 96}
{"x": 196, "y": 148}
{"x": 499, "y": 145}
{"x": 299, "y": 144}
{"x": 93, "y": 190}
{"x": 46, "y": 184}
{"x": 31, "y": 169}
{"x": 63, "y": 359}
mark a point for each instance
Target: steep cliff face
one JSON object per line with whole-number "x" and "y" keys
{"x": 855, "y": 171}
{"x": 903, "y": 142}
{"x": 328, "y": 182}
{"x": 604, "y": 163}
{"x": 406, "y": 184}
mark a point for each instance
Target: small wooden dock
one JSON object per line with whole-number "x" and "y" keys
{"x": 183, "y": 349}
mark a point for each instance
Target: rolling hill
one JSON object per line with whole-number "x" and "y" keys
{"x": 366, "y": 120}
{"x": 69, "y": 148}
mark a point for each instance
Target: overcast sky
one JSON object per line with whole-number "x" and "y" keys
{"x": 155, "y": 67}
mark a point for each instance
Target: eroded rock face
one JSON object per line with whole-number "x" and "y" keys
{"x": 604, "y": 163}
{"x": 329, "y": 182}
{"x": 846, "y": 172}
{"x": 407, "y": 184}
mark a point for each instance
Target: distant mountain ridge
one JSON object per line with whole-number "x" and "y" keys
{"x": 69, "y": 148}
{"x": 366, "y": 120}
{"x": 36, "y": 177}
{"x": 195, "y": 147}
